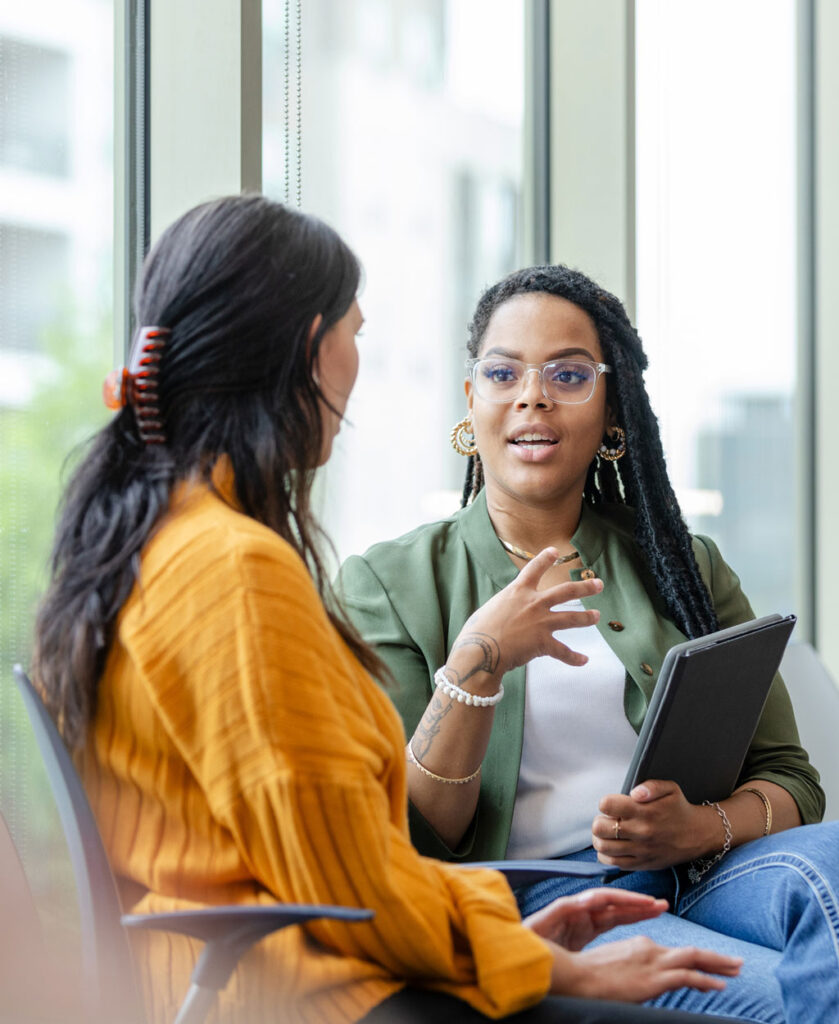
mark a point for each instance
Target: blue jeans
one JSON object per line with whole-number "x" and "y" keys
{"x": 774, "y": 902}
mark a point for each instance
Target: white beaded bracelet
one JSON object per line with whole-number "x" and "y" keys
{"x": 464, "y": 696}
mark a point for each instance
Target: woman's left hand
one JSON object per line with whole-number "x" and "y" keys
{"x": 654, "y": 827}
{"x": 573, "y": 921}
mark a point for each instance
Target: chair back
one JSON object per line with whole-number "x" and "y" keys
{"x": 815, "y": 700}
{"x": 108, "y": 983}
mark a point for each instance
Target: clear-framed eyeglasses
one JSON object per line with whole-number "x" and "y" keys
{"x": 568, "y": 381}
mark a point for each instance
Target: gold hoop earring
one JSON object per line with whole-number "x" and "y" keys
{"x": 617, "y": 449}
{"x": 462, "y": 437}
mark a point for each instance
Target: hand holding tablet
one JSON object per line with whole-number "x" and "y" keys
{"x": 706, "y": 706}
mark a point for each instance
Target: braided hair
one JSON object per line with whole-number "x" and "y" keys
{"x": 640, "y": 479}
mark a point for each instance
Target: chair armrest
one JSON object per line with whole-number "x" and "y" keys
{"x": 229, "y": 931}
{"x": 526, "y": 872}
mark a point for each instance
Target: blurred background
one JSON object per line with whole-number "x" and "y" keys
{"x": 669, "y": 148}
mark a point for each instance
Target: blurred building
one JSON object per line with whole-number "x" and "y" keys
{"x": 56, "y": 177}
{"x": 755, "y": 432}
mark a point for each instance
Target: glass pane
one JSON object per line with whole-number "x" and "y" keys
{"x": 716, "y": 174}
{"x": 56, "y": 299}
{"x": 412, "y": 148}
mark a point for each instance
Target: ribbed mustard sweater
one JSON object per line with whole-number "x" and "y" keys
{"x": 240, "y": 754}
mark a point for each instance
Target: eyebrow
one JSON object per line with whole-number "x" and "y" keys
{"x": 562, "y": 353}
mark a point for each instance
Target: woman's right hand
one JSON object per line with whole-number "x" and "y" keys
{"x": 517, "y": 624}
{"x": 635, "y": 970}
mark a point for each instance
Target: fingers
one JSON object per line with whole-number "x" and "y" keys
{"x": 572, "y": 589}
{"x": 689, "y": 968}
{"x": 536, "y": 568}
{"x": 574, "y": 620}
{"x": 617, "y": 805}
{"x": 560, "y": 651}
{"x": 611, "y": 838}
{"x": 685, "y": 978}
{"x": 703, "y": 960}
{"x": 611, "y": 907}
{"x": 653, "y": 789}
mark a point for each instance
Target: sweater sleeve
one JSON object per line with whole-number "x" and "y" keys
{"x": 300, "y": 756}
{"x": 775, "y": 754}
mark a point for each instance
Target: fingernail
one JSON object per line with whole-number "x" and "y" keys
{"x": 640, "y": 793}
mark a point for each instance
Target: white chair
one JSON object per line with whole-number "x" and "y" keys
{"x": 815, "y": 698}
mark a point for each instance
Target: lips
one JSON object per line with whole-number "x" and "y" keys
{"x": 533, "y": 435}
{"x": 532, "y": 439}
{"x": 533, "y": 443}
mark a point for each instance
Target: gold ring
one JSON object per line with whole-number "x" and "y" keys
{"x": 618, "y": 829}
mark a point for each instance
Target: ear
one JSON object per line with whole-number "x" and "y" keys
{"x": 467, "y": 387}
{"x": 314, "y": 327}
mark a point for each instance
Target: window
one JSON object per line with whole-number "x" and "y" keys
{"x": 34, "y": 117}
{"x": 56, "y": 301}
{"x": 717, "y": 263}
{"x": 411, "y": 146}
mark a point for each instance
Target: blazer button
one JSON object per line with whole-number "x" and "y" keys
{"x": 646, "y": 669}
{"x": 616, "y": 626}
{"x": 588, "y": 574}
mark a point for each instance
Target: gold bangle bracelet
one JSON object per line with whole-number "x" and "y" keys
{"x": 766, "y": 806}
{"x": 412, "y": 757}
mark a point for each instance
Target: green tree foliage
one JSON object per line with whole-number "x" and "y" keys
{"x": 39, "y": 442}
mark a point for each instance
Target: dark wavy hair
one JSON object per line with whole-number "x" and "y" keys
{"x": 238, "y": 282}
{"x": 640, "y": 478}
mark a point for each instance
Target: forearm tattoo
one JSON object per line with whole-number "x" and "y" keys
{"x": 490, "y": 655}
{"x": 429, "y": 725}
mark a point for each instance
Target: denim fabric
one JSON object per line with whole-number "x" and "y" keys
{"x": 772, "y": 901}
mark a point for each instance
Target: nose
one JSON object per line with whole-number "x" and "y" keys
{"x": 532, "y": 392}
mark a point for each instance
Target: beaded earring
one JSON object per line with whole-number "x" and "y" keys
{"x": 617, "y": 449}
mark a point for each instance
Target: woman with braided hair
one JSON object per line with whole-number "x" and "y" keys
{"x": 564, "y": 453}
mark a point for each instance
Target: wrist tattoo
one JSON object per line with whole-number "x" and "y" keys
{"x": 429, "y": 725}
{"x": 490, "y": 654}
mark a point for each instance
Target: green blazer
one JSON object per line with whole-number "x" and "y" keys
{"x": 411, "y": 596}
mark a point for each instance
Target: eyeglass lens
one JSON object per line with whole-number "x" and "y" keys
{"x": 566, "y": 380}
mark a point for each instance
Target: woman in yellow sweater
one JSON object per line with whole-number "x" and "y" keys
{"x": 229, "y": 733}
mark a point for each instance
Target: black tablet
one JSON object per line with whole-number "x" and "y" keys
{"x": 705, "y": 708}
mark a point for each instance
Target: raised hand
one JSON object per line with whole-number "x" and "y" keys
{"x": 517, "y": 624}
{"x": 573, "y": 921}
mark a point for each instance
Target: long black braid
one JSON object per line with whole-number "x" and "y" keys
{"x": 640, "y": 478}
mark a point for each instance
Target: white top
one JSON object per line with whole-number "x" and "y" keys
{"x": 577, "y": 745}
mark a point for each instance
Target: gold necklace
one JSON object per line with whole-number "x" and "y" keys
{"x": 527, "y": 556}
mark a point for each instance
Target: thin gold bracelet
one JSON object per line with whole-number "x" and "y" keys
{"x": 412, "y": 757}
{"x": 766, "y": 806}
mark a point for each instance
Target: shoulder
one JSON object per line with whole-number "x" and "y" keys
{"x": 707, "y": 555}
{"x": 407, "y": 557}
{"x": 206, "y": 544}
{"x": 617, "y": 522}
